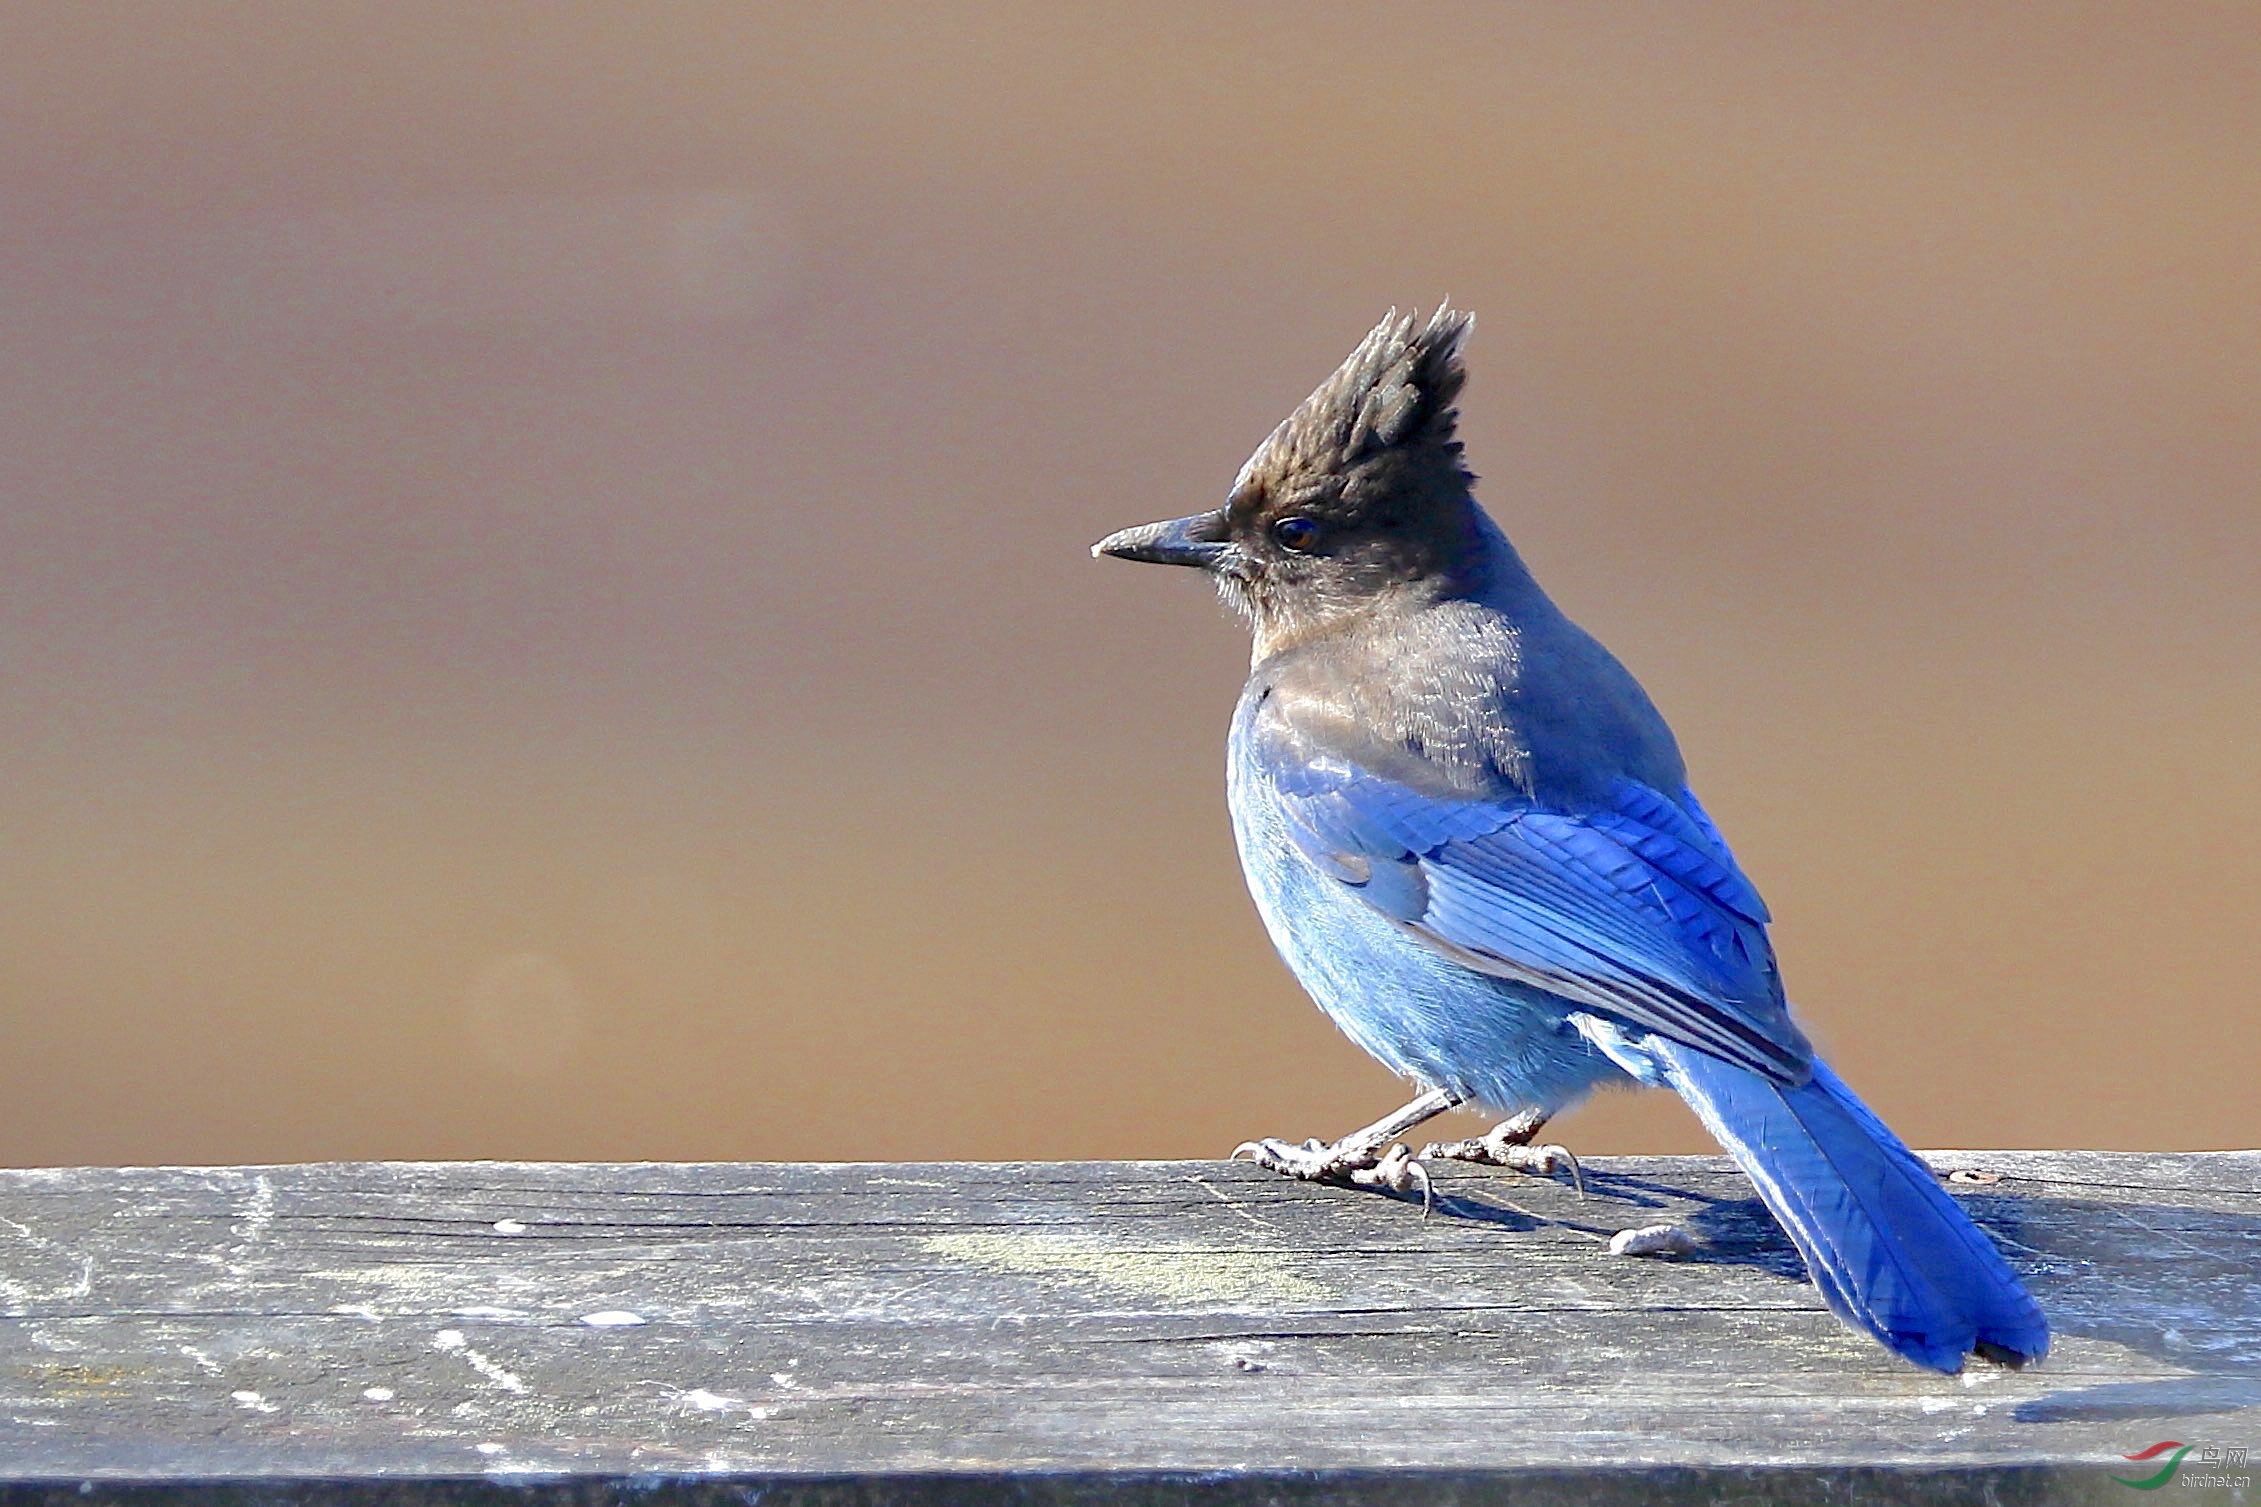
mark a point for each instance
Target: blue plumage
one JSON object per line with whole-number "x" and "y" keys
{"x": 1470, "y": 835}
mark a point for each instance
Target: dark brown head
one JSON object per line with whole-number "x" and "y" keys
{"x": 1360, "y": 497}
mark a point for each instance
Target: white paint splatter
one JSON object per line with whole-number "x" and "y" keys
{"x": 490, "y": 1448}
{"x": 452, "y": 1339}
{"x": 1245, "y": 1355}
{"x": 508, "y": 1468}
{"x": 495, "y": 1373}
{"x": 509, "y": 1227}
{"x": 258, "y": 1211}
{"x": 613, "y": 1318}
{"x": 1209, "y": 1188}
{"x": 701, "y": 1400}
{"x": 378, "y": 1394}
{"x": 1935, "y": 1404}
{"x": 252, "y": 1402}
{"x": 22, "y": 1295}
{"x": 1652, "y": 1240}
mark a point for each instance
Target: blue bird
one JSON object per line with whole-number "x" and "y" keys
{"x": 1471, "y": 837}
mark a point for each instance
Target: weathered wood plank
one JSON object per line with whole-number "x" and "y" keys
{"x": 1163, "y": 1331}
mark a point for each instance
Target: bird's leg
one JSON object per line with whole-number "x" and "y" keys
{"x": 1368, "y": 1158}
{"x": 1508, "y": 1144}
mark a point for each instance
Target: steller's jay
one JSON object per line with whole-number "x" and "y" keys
{"x": 1471, "y": 837}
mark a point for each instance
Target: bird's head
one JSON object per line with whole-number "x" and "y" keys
{"x": 1359, "y": 498}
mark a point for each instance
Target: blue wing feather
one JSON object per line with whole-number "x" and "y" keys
{"x": 1634, "y": 907}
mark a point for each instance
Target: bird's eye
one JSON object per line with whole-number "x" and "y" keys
{"x": 1297, "y": 534}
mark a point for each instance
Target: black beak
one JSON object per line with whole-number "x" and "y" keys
{"x": 1197, "y": 541}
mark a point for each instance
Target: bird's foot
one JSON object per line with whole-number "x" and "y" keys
{"x": 1511, "y": 1144}
{"x": 1350, "y": 1160}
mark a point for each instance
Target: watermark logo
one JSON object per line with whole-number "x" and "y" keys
{"x": 2166, "y": 1472}
{"x": 2214, "y": 1459}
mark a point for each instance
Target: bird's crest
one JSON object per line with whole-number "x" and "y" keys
{"x": 1396, "y": 392}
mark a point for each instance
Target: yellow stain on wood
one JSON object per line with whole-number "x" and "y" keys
{"x": 1185, "y": 1274}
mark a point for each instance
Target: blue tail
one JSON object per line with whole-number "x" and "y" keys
{"x": 1890, "y": 1251}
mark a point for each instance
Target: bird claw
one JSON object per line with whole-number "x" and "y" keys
{"x": 1400, "y": 1171}
{"x": 1509, "y": 1144}
{"x": 1396, "y": 1169}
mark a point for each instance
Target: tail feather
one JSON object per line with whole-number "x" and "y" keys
{"x": 1892, "y": 1253}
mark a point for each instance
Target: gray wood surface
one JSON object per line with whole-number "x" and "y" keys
{"x": 1168, "y": 1331}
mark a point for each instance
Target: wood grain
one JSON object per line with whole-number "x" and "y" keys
{"x": 1166, "y": 1331}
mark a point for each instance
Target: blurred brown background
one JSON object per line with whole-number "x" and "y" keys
{"x": 543, "y": 606}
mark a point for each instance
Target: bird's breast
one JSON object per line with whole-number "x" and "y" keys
{"x": 1406, "y": 1004}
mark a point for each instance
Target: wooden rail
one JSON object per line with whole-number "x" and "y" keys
{"x": 1160, "y": 1331}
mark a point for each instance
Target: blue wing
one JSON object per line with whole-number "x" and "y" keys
{"x": 1633, "y": 908}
